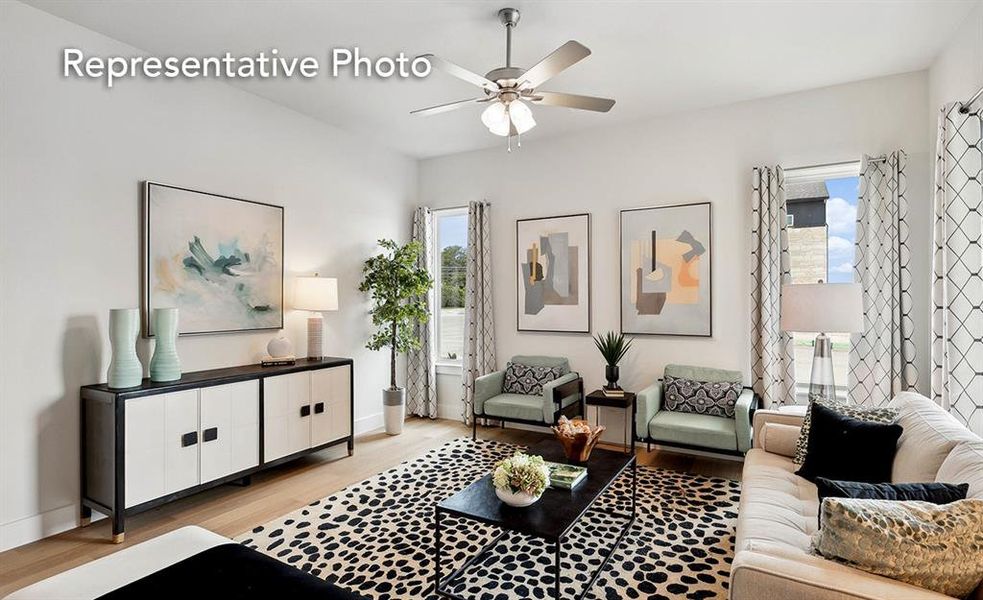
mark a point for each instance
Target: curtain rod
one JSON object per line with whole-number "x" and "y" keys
{"x": 965, "y": 105}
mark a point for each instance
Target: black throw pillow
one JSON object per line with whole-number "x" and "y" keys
{"x": 936, "y": 493}
{"x": 849, "y": 449}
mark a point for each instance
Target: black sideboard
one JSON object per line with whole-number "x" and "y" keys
{"x": 151, "y": 444}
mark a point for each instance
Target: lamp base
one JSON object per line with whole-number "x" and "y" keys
{"x": 315, "y": 344}
{"x": 822, "y": 386}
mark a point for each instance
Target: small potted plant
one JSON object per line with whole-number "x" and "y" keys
{"x": 521, "y": 480}
{"x": 398, "y": 288}
{"x": 613, "y": 347}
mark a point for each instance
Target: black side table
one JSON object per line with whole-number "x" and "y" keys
{"x": 626, "y": 403}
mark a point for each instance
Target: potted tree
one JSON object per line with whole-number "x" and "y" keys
{"x": 398, "y": 288}
{"x": 613, "y": 347}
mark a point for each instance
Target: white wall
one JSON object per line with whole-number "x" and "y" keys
{"x": 705, "y": 155}
{"x": 72, "y": 155}
{"x": 957, "y": 72}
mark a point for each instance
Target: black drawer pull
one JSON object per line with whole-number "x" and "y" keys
{"x": 319, "y": 407}
{"x": 305, "y": 411}
{"x": 209, "y": 434}
{"x": 189, "y": 439}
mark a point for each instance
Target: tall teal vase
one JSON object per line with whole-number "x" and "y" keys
{"x": 165, "y": 365}
{"x": 125, "y": 370}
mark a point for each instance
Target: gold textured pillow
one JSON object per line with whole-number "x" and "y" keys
{"x": 936, "y": 547}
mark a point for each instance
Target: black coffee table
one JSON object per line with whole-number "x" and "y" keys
{"x": 551, "y": 518}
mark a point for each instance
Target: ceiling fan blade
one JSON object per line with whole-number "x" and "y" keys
{"x": 570, "y": 101}
{"x": 460, "y": 72}
{"x": 440, "y": 108}
{"x": 566, "y": 55}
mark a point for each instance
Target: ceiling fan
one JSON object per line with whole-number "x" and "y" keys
{"x": 508, "y": 88}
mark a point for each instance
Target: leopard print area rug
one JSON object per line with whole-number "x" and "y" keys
{"x": 375, "y": 537}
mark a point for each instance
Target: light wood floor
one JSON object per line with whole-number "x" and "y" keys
{"x": 230, "y": 510}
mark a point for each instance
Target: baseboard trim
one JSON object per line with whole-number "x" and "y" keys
{"x": 369, "y": 423}
{"x": 35, "y": 527}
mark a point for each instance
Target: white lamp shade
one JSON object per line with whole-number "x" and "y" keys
{"x": 496, "y": 119}
{"x": 823, "y": 307}
{"x": 521, "y": 116}
{"x": 316, "y": 293}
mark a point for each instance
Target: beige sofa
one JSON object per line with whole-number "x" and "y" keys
{"x": 778, "y": 510}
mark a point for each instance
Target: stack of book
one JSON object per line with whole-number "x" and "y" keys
{"x": 278, "y": 361}
{"x": 565, "y": 477}
{"x": 619, "y": 393}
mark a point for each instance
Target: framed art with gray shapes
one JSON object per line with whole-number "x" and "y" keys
{"x": 666, "y": 277}
{"x": 553, "y": 278}
{"x": 217, "y": 259}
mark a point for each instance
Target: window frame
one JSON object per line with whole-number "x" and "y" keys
{"x": 820, "y": 173}
{"x": 442, "y": 364}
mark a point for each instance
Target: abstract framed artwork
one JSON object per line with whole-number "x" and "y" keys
{"x": 666, "y": 283}
{"x": 217, "y": 259}
{"x": 553, "y": 274}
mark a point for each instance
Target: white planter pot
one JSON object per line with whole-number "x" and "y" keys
{"x": 394, "y": 410}
{"x": 517, "y": 499}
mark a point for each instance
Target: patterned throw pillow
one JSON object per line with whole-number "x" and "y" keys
{"x": 701, "y": 397}
{"x": 936, "y": 547}
{"x": 871, "y": 415}
{"x": 527, "y": 379}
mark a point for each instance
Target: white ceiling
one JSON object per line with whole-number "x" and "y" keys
{"x": 654, "y": 58}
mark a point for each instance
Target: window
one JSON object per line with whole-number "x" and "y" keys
{"x": 450, "y": 227}
{"x": 822, "y": 219}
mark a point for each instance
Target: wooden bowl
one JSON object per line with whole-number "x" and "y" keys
{"x": 577, "y": 447}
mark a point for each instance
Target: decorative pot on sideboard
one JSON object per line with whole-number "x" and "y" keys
{"x": 394, "y": 409}
{"x": 165, "y": 364}
{"x": 125, "y": 370}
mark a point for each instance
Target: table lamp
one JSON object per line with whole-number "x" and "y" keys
{"x": 316, "y": 294}
{"x": 824, "y": 308}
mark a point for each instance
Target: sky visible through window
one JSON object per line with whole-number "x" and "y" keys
{"x": 841, "y": 219}
{"x": 454, "y": 231}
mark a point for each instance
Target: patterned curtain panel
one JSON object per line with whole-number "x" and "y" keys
{"x": 772, "y": 360}
{"x": 882, "y": 358}
{"x": 421, "y": 392}
{"x": 479, "y": 325}
{"x": 957, "y": 288}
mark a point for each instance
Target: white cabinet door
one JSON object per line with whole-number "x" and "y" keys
{"x": 161, "y": 445}
{"x": 286, "y": 427}
{"x": 180, "y": 458}
{"x": 229, "y": 434}
{"x": 330, "y": 393}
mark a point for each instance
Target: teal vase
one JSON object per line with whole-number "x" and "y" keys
{"x": 125, "y": 370}
{"x": 165, "y": 365}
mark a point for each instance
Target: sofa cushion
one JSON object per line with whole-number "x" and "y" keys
{"x": 715, "y": 398}
{"x": 778, "y": 508}
{"x": 933, "y": 492}
{"x": 869, "y": 414}
{"x": 695, "y": 430}
{"x": 841, "y": 447}
{"x": 778, "y": 438}
{"x": 964, "y": 465}
{"x": 930, "y": 433}
{"x": 528, "y": 379}
{"x": 519, "y": 406}
{"x": 938, "y": 547}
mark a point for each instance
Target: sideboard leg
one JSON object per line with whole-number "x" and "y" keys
{"x": 85, "y": 516}
{"x": 351, "y": 446}
{"x": 118, "y": 531}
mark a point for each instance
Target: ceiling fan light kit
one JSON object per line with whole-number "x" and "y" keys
{"x": 508, "y": 89}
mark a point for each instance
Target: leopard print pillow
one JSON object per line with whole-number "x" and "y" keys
{"x": 936, "y": 547}
{"x": 527, "y": 379}
{"x": 716, "y": 399}
{"x": 870, "y": 415}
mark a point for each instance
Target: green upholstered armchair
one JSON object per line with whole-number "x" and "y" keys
{"x": 654, "y": 425}
{"x": 562, "y": 396}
